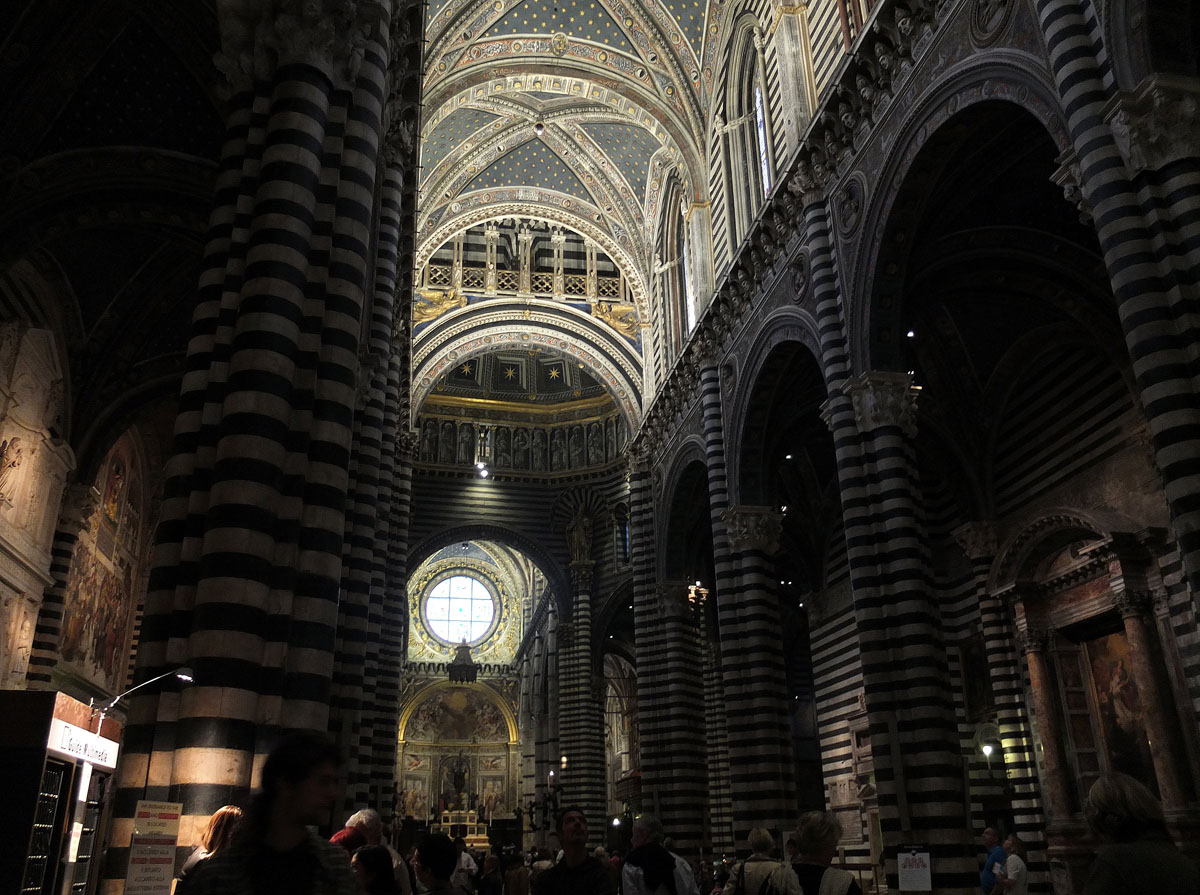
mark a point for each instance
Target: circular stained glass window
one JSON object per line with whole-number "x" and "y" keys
{"x": 460, "y": 608}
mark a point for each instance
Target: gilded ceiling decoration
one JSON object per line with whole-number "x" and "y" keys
{"x": 572, "y": 113}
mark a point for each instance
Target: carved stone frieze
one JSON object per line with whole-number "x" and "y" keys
{"x": 753, "y": 528}
{"x": 884, "y": 399}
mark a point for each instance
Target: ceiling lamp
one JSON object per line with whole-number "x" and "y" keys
{"x": 539, "y": 127}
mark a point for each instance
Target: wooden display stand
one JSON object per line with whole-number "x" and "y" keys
{"x": 57, "y": 767}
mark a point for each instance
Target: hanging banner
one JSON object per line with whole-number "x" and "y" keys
{"x": 152, "y": 848}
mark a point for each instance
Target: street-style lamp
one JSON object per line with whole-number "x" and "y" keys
{"x": 184, "y": 673}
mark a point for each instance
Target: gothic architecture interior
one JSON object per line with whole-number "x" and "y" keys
{"x": 716, "y": 408}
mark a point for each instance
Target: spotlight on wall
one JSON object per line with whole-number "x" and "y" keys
{"x": 911, "y": 334}
{"x": 539, "y": 127}
{"x": 616, "y": 822}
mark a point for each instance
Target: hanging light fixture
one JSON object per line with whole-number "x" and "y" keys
{"x": 463, "y": 669}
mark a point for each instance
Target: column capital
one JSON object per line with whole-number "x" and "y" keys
{"x": 328, "y": 35}
{"x": 79, "y": 504}
{"x": 977, "y": 539}
{"x": 1156, "y": 124}
{"x": 1133, "y": 603}
{"x": 1033, "y": 639}
{"x": 753, "y": 528}
{"x": 581, "y": 575}
{"x": 882, "y": 398}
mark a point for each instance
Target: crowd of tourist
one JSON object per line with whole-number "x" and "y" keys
{"x": 271, "y": 849}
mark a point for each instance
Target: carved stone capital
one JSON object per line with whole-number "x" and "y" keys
{"x": 581, "y": 576}
{"x": 329, "y": 35}
{"x": 1067, "y": 176}
{"x": 1133, "y": 603}
{"x": 977, "y": 539}
{"x": 884, "y": 399}
{"x": 753, "y": 528}
{"x": 80, "y": 502}
{"x": 1158, "y": 124}
{"x": 1033, "y": 639}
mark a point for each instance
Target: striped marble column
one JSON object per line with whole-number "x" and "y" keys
{"x": 761, "y": 768}
{"x": 247, "y": 569}
{"x": 79, "y": 503}
{"x": 581, "y": 725}
{"x": 905, "y": 674}
{"x": 1153, "y": 264}
{"x": 648, "y": 635}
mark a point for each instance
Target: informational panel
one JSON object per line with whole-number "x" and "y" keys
{"x": 916, "y": 875}
{"x": 152, "y": 848}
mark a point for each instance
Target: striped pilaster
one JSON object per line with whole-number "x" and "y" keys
{"x": 720, "y": 796}
{"x": 681, "y": 787}
{"x": 581, "y": 721}
{"x": 761, "y": 774}
{"x": 1154, "y": 296}
{"x": 247, "y": 570}
{"x": 1014, "y": 770}
{"x": 79, "y": 504}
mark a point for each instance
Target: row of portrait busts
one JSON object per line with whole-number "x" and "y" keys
{"x": 540, "y": 449}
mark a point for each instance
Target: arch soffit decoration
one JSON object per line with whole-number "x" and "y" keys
{"x": 998, "y": 76}
{"x": 585, "y": 346}
{"x": 648, "y": 26}
{"x": 549, "y": 214}
{"x": 437, "y": 686}
{"x": 783, "y": 326}
{"x": 551, "y": 570}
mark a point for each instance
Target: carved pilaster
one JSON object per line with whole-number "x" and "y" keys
{"x": 884, "y": 399}
{"x": 753, "y": 528}
{"x": 977, "y": 539}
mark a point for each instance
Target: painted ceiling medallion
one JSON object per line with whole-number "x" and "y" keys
{"x": 558, "y": 44}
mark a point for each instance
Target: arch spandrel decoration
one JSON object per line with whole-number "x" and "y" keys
{"x": 504, "y": 634}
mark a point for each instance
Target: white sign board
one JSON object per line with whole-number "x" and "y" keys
{"x": 70, "y": 741}
{"x": 916, "y": 875}
{"x": 152, "y": 848}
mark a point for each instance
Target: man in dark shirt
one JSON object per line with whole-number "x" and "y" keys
{"x": 578, "y": 873}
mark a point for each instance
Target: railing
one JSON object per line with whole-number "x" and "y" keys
{"x": 541, "y": 283}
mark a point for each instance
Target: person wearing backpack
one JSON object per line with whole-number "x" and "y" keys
{"x": 760, "y": 874}
{"x": 817, "y": 838}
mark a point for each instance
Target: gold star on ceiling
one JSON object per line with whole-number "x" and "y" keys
{"x": 509, "y": 372}
{"x": 554, "y": 373}
{"x": 465, "y": 369}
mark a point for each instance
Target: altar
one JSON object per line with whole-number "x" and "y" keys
{"x": 466, "y": 824}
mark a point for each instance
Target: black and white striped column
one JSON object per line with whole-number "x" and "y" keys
{"x": 247, "y": 570}
{"x": 581, "y": 724}
{"x": 1151, "y": 249}
{"x": 761, "y": 775}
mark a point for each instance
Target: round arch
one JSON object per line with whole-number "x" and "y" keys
{"x": 438, "y": 686}
{"x": 786, "y": 325}
{"x": 878, "y": 270}
{"x": 687, "y": 467}
{"x": 556, "y": 332}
